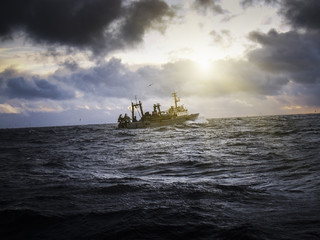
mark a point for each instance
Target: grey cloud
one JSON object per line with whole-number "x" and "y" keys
{"x": 216, "y": 36}
{"x": 292, "y": 53}
{"x": 19, "y": 86}
{"x": 302, "y": 13}
{"x": 232, "y": 77}
{"x": 283, "y": 58}
{"x": 223, "y": 37}
{"x": 309, "y": 94}
{"x": 175, "y": 76}
{"x": 242, "y": 77}
{"x": 295, "y": 55}
{"x": 143, "y": 15}
{"x": 74, "y": 23}
{"x": 248, "y": 3}
{"x": 298, "y": 13}
{"x": 109, "y": 79}
{"x": 212, "y": 5}
{"x": 96, "y": 25}
{"x": 115, "y": 80}
{"x": 301, "y": 94}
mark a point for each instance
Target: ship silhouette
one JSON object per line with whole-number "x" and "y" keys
{"x": 176, "y": 114}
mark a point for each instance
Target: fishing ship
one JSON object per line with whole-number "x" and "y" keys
{"x": 176, "y": 114}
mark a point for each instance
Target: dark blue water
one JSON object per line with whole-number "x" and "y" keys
{"x": 239, "y": 178}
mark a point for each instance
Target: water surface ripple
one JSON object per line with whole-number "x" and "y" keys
{"x": 237, "y": 178}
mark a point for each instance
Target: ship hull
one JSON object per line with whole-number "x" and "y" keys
{"x": 163, "y": 122}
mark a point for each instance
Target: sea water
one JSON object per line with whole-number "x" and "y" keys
{"x": 235, "y": 178}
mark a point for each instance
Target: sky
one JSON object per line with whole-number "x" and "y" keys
{"x": 70, "y": 62}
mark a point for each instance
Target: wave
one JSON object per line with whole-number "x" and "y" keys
{"x": 249, "y": 178}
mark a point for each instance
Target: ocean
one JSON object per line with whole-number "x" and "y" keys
{"x": 232, "y": 178}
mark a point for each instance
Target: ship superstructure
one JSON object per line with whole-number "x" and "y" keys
{"x": 175, "y": 114}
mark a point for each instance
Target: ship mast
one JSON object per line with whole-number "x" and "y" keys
{"x": 133, "y": 106}
{"x": 176, "y": 99}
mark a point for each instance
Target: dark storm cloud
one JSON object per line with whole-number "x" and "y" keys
{"x": 75, "y": 23}
{"x": 204, "y": 5}
{"x": 292, "y": 53}
{"x": 307, "y": 94}
{"x": 97, "y": 25}
{"x": 302, "y": 13}
{"x": 16, "y": 85}
{"x": 143, "y": 15}
{"x": 295, "y": 54}
{"x": 298, "y": 13}
{"x": 115, "y": 79}
{"x": 109, "y": 79}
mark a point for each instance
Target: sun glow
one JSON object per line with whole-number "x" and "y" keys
{"x": 204, "y": 66}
